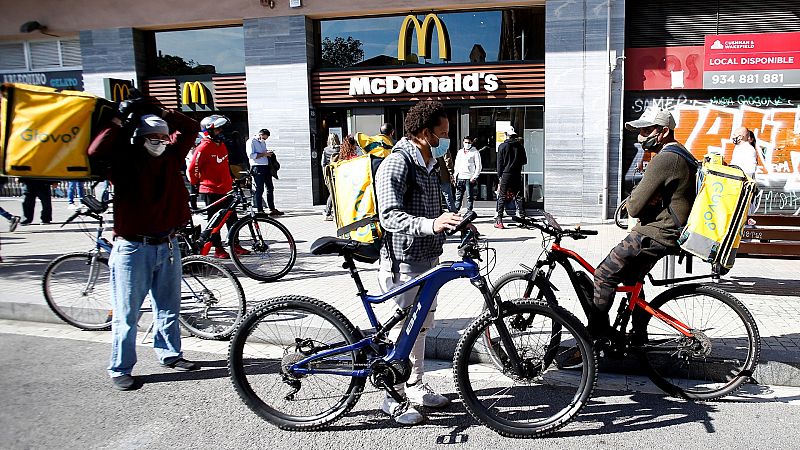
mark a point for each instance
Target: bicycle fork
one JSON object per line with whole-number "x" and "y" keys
{"x": 517, "y": 364}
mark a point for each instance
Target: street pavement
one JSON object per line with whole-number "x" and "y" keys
{"x": 55, "y": 394}
{"x": 768, "y": 287}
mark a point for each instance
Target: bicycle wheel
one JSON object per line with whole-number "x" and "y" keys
{"x": 212, "y": 300}
{"x": 720, "y": 356}
{"x": 77, "y": 288}
{"x": 262, "y": 248}
{"x": 280, "y": 333}
{"x": 559, "y": 374}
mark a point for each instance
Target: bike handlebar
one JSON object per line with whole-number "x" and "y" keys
{"x": 575, "y": 233}
{"x": 466, "y": 220}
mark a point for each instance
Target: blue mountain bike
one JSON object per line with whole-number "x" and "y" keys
{"x": 301, "y": 364}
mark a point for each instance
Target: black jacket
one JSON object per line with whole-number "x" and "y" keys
{"x": 511, "y": 157}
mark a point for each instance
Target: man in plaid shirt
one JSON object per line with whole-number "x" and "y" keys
{"x": 412, "y": 216}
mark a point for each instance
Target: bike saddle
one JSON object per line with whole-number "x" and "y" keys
{"x": 359, "y": 251}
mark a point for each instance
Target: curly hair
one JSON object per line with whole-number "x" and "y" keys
{"x": 425, "y": 114}
{"x": 349, "y": 148}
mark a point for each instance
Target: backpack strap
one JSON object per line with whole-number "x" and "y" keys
{"x": 694, "y": 166}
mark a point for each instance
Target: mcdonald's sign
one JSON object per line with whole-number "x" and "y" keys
{"x": 424, "y": 33}
{"x": 118, "y": 90}
{"x": 194, "y": 92}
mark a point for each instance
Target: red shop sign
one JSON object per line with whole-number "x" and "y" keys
{"x": 745, "y": 52}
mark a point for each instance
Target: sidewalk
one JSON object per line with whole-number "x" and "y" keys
{"x": 768, "y": 287}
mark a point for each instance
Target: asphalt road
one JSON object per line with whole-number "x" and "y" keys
{"x": 54, "y": 394}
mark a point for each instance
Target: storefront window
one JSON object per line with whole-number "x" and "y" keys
{"x": 203, "y": 51}
{"x": 473, "y": 37}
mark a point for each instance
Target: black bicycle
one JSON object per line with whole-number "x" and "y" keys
{"x": 260, "y": 246}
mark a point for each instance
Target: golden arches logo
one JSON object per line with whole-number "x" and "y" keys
{"x": 194, "y": 92}
{"x": 424, "y": 33}
{"x": 120, "y": 92}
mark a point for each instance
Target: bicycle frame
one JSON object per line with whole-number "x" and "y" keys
{"x": 562, "y": 256}
{"x": 214, "y": 226}
{"x": 429, "y": 283}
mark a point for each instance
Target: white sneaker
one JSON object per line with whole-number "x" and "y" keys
{"x": 409, "y": 417}
{"x": 422, "y": 394}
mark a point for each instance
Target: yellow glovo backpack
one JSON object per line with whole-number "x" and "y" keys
{"x": 718, "y": 215}
{"x": 45, "y": 132}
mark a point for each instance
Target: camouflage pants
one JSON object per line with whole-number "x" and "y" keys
{"x": 627, "y": 263}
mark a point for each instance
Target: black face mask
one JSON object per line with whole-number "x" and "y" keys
{"x": 648, "y": 142}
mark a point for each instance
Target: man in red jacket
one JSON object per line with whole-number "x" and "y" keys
{"x": 210, "y": 169}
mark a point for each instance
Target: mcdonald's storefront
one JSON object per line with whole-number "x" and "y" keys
{"x": 486, "y": 67}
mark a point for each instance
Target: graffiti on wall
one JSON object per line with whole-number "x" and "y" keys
{"x": 707, "y": 126}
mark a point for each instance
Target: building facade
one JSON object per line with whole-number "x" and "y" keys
{"x": 565, "y": 74}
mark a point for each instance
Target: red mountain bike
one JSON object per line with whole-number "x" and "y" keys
{"x": 695, "y": 341}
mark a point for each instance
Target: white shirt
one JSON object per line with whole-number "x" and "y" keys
{"x": 744, "y": 156}
{"x": 468, "y": 164}
{"x": 255, "y": 145}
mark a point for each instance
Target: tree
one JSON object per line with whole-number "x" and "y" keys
{"x": 169, "y": 65}
{"x": 341, "y": 52}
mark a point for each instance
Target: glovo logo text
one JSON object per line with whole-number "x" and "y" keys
{"x": 120, "y": 92}
{"x": 194, "y": 92}
{"x": 34, "y": 135}
{"x": 424, "y": 33}
{"x": 716, "y": 197}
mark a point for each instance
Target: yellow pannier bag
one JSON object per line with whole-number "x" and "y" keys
{"x": 718, "y": 215}
{"x": 355, "y": 205}
{"x": 45, "y": 132}
{"x": 378, "y": 145}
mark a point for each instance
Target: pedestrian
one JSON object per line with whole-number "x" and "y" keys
{"x": 446, "y": 180}
{"x": 349, "y": 149}
{"x": 150, "y": 205}
{"x": 510, "y": 159}
{"x": 387, "y": 131}
{"x": 74, "y": 187}
{"x": 237, "y": 155}
{"x": 261, "y": 169}
{"x": 13, "y": 220}
{"x": 31, "y": 190}
{"x": 209, "y": 168}
{"x": 331, "y": 149}
{"x": 415, "y": 225}
{"x": 744, "y": 153}
{"x": 466, "y": 168}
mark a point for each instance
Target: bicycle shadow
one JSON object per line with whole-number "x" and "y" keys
{"x": 209, "y": 370}
{"x": 760, "y": 286}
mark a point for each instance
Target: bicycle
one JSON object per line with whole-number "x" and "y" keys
{"x": 695, "y": 341}
{"x": 300, "y": 364}
{"x": 77, "y": 287}
{"x": 261, "y": 247}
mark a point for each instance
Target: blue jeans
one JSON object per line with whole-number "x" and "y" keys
{"x": 137, "y": 268}
{"x": 461, "y": 187}
{"x": 263, "y": 177}
{"x": 447, "y": 191}
{"x": 72, "y": 187}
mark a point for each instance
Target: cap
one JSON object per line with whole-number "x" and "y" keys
{"x": 510, "y": 131}
{"x": 152, "y": 124}
{"x": 652, "y": 116}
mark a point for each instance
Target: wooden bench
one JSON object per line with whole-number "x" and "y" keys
{"x": 773, "y": 235}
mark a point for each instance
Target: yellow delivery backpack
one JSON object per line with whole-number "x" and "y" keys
{"x": 355, "y": 202}
{"x": 378, "y": 145}
{"x": 718, "y": 215}
{"x": 45, "y": 132}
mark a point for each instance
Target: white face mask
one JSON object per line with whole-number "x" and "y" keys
{"x": 155, "y": 149}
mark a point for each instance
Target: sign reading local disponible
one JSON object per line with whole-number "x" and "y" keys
{"x": 766, "y": 60}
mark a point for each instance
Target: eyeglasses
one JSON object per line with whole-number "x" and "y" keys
{"x": 158, "y": 141}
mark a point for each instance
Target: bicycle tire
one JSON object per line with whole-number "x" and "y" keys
{"x": 271, "y": 248}
{"x": 724, "y": 367}
{"x": 548, "y": 386}
{"x": 77, "y": 295}
{"x": 212, "y": 299}
{"x": 266, "y": 343}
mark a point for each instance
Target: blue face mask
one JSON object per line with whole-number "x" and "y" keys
{"x": 441, "y": 149}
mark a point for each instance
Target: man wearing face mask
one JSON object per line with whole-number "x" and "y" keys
{"x": 661, "y": 202}
{"x": 150, "y": 204}
{"x": 415, "y": 225}
{"x": 744, "y": 154}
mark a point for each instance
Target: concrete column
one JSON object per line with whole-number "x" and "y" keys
{"x": 279, "y": 54}
{"x": 111, "y": 53}
{"x": 582, "y": 107}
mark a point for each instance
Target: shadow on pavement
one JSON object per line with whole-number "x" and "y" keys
{"x": 761, "y": 286}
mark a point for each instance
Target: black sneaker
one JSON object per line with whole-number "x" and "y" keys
{"x": 570, "y": 358}
{"x": 182, "y": 365}
{"x": 125, "y": 383}
{"x": 13, "y": 225}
